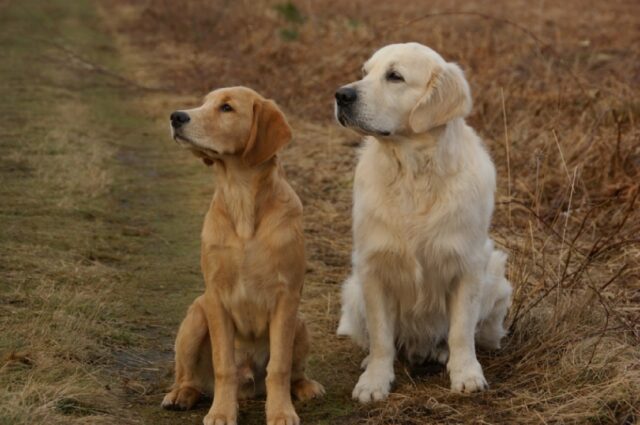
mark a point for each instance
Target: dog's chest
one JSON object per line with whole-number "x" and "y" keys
{"x": 396, "y": 184}
{"x": 249, "y": 308}
{"x": 247, "y": 293}
{"x": 402, "y": 205}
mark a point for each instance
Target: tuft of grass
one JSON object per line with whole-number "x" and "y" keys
{"x": 74, "y": 407}
{"x": 290, "y": 12}
{"x": 353, "y": 23}
{"x": 292, "y": 15}
{"x": 289, "y": 34}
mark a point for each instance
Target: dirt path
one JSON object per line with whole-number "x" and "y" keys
{"x": 100, "y": 222}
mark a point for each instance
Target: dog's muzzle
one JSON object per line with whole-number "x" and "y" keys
{"x": 346, "y": 96}
{"x": 179, "y": 118}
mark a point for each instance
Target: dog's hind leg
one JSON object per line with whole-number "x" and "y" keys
{"x": 193, "y": 367}
{"x": 302, "y": 387}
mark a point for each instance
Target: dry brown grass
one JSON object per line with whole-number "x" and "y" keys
{"x": 556, "y": 100}
{"x": 99, "y": 242}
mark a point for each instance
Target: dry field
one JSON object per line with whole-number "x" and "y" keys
{"x": 100, "y": 212}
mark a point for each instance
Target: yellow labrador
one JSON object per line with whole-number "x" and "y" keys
{"x": 246, "y": 324}
{"x": 426, "y": 278}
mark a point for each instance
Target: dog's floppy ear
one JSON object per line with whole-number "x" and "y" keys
{"x": 448, "y": 96}
{"x": 269, "y": 132}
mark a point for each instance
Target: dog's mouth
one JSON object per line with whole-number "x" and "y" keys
{"x": 346, "y": 121}
{"x": 182, "y": 140}
{"x": 190, "y": 144}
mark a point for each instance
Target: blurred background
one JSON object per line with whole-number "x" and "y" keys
{"x": 100, "y": 212}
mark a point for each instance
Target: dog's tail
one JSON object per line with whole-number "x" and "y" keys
{"x": 496, "y": 272}
{"x": 496, "y": 268}
{"x": 496, "y": 301}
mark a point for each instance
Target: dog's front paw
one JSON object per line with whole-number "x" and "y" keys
{"x": 181, "y": 399}
{"x": 285, "y": 415}
{"x": 466, "y": 377}
{"x": 374, "y": 384}
{"x": 222, "y": 414}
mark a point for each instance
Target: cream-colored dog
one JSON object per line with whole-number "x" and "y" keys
{"x": 253, "y": 263}
{"x": 426, "y": 278}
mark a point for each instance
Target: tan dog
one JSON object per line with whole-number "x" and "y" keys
{"x": 253, "y": 263}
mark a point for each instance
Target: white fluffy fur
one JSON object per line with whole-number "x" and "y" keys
{"x": 426, "y": 278}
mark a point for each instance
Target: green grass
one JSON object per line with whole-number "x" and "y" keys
{"x": 98, "y": 243}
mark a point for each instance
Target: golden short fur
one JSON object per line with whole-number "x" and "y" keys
{"x": 253, "y": 263}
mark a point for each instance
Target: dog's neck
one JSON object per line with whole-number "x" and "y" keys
{"x": 241, "y": 190}
{"x": 438, "y": 146}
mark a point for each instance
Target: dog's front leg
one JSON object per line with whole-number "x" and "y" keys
{"x": 464, "y": 308}
{"x": 375, "y": 382}
{"x": 279, "y": 407}
{"x": 224, "y": 410}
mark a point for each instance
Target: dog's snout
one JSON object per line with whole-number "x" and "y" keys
{"x": 179, "y": 118}
{"x": 346, "y": 96}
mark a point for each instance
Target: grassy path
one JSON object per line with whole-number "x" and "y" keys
{"x": 100, "y": 217}
{"x": 99, "y": 222}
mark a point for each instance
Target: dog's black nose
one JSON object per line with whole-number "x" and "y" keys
{"x": 179, "y": 118}
{"x": 346, "y": 96}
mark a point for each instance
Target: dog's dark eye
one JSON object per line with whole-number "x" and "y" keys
{"x": 394, "y": 76}
{"x": 226, "y": 107}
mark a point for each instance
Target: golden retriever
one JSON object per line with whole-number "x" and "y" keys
{"x": 426, "y": 278}
{"x": 245, "y": 330}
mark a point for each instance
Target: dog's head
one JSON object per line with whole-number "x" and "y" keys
{"x": 405, "y": 89}
{"x": 233, "y": 121}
